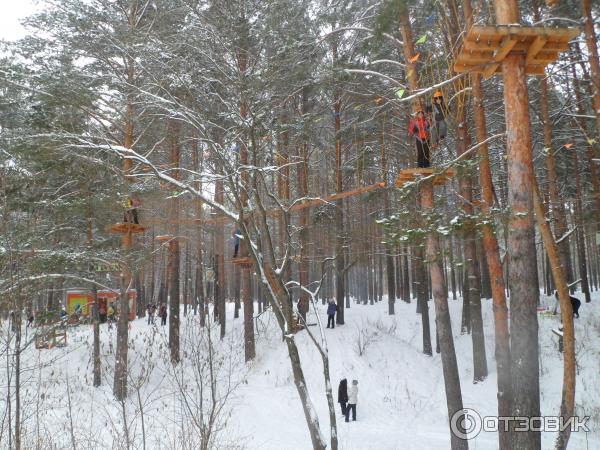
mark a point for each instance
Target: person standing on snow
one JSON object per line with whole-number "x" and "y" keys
{"x": 163, "y": 314}
{"x": 352, "y": 398}
{"x": 110, "y": 316}
{"x": 343, "y": 395}
{"x": 331, "y": 310}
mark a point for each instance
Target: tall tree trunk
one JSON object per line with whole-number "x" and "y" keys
{"x": 405, "y": 276}
{"x": 303, "y": 301}
{"x": 174, "y": 256}
{"x": 121, "y": 364}
{"x": 594, "y": 61}
{"x": 389, "y": 259}
{"x": 340, "y": 256}
{"x": 443, "y": 324}
{"x": 580, "y": 233}
{"x": 242, "y": 62}
{"x": 567, "y": 406}
{"x": 413, "y": 82}
{"x": 591, "y": 163}
{"x": 97, "y": 368}
{"x": 471, "y": 262}
{"x": 199, "y": 300}
{"x": 492, "y": 253}
{"x": 521, "y": 238}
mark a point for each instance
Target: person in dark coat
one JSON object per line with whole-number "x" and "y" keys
{"x": 331, "y": 310}
{"x": 163, "y": 314}
{"x": 236, "y": 242}
{"x": 575, "y": 304}
{"x": 343, "y": 395}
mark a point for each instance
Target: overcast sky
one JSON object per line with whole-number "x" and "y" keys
{"x": 11, "y": 12}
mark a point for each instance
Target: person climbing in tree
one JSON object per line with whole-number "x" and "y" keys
{"x": 343, "y": 395}
{"x": 419, "y": 128}
{"x": 136, "y": 203}
{"x": 131, "y": 209}
{"x": 331, "y": 310}
{"x": 236, "y": 242}
{"x": 440, "y": 112}
{"x": 352, "y": 399}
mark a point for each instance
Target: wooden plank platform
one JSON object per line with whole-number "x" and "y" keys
{"x": 408, "y": 175}
{"x": 163, "y": 237}
{"x": 485, "y": 47}
{"x": 126, "y": 227}
{"x": 246, "y": 261}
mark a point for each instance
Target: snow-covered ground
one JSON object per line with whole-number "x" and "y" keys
{"x": 401, "y": 403}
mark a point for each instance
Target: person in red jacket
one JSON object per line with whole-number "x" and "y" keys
{"x": 419, "y": 128}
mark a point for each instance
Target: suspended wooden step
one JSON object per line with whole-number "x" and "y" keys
{"x": 126, "y": 227}
{"x": 163, "y": 237}
{"x": 441, "y": 176}
{"x": 246, "y": 261}
{"x": 485, "y": 47}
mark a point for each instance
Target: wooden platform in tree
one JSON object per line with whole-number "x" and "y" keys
{"x": 246, "y": 261}
{"x": 485, "y": 47}
{"x": 126, "y": 227}
{"x": 163, "y": 237}
{"x": 440, "y": 176}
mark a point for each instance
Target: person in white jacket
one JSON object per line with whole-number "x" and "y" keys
{"x": 352, "y": 398}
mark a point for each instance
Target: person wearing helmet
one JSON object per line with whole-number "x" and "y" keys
{"x": 440, "y": 112}
{"x": 419, "y": 128}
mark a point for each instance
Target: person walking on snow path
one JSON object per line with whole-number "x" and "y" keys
{"x": 352, "y": 398}
{"x": 343, "y": 395}
{"x": 331, "y": 310}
